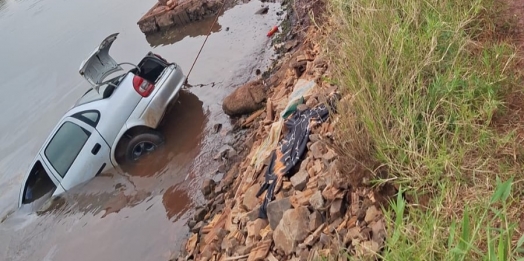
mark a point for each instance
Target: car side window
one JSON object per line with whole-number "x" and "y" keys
{"x": 89, "y": 117}
{"x": 65, "y": 146}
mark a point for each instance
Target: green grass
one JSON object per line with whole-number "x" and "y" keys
{"x": 426, "y": 82}
{"x": 483, "y": 232}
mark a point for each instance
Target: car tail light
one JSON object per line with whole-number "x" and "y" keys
{"x": 143, "y": 87}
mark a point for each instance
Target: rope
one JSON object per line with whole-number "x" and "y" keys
{"x": 205, "y": 40}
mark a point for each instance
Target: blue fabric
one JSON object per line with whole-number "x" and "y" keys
{"x": 289, "y": 150}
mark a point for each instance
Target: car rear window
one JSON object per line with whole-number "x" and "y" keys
{"x": 104, "y": 91}
{"x": 90, "y": 117}
{"x": 65, "y": 146}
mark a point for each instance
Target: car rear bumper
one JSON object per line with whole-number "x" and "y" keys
{"x": 167, "y": 91}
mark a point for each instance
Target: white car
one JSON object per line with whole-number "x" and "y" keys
{"x": 112, "y": 123}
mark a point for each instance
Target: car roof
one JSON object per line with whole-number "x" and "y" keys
{"x": 95, "y": 102}
{"x": 101, "y": 91}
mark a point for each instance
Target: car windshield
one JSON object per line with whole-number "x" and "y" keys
{"x": 104, "y": 91}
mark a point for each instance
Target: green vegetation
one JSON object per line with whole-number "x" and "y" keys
{"x": 426, "y": 110}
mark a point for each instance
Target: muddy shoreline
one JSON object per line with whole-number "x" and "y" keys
{"x": 316, "y": 213}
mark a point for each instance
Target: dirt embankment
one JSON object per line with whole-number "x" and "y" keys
{"x": 314, "y": 211}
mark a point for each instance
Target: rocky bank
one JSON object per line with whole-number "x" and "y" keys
{"x": 317, "y": 213}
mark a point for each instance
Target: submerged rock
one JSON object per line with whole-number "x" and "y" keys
{"x": 199, "y": 214}
{"x": 196, "y": 228}
{"x": 208, "y": 187}
{"x": 217, "y": 127}
{"x": 245, "y": 99}
{"x": 262, "y": 10}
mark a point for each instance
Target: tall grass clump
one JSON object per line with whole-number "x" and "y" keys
{"x": 425, "y": 82}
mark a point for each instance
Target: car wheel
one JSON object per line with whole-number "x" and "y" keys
{"x": 143, "y": 144}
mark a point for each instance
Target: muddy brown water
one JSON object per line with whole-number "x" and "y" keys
{"x": 139, "y": 214}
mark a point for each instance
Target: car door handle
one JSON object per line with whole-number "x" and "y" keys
{"x": 95, "y": 149}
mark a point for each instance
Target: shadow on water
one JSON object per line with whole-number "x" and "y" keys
{"x": 175, "y": 201}
{"x": 193, "y": 29}
{"x": 182, "y": 127}
{"x": 177, "y": 34}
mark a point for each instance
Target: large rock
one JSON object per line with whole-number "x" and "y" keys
{"x": 199, "y": 215}
{"x": 245, "y": 99}
{"x": 208, "y": 187}
{"x": 292, "y": 229}
{"x": 250, "y": 197}
{"x": 300, "y": 179}
{"x": 275, "y": 211}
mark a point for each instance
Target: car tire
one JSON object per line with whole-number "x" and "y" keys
{"x": 143, "y": 144}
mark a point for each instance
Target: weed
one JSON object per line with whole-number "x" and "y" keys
{"x": 427, "y": 81}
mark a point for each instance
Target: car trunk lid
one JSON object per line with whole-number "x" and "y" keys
{"x": 100, "y": 64}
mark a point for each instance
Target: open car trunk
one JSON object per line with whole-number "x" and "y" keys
{"x": 99, "y": 65}
{"x": 38, "y": 185}
{"x": 151, "y": 67}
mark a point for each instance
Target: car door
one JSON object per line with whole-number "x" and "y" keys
{"x": 76, "y": 153}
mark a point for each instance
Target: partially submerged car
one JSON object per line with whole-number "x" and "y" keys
{"x": 113, "y": 123}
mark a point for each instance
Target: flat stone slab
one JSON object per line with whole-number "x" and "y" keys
{"x": 161, "y": 17}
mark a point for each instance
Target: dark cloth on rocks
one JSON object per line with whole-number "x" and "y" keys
{"x": 289, "y": 150}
